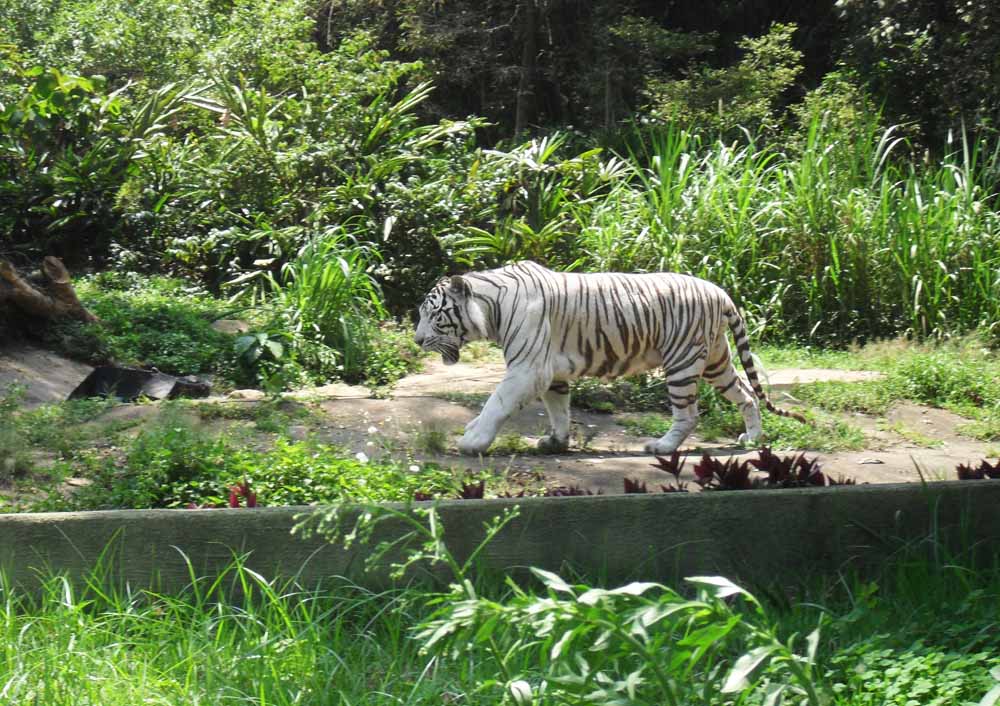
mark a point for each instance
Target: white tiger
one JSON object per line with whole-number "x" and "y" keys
{"x": 556, "y": 326}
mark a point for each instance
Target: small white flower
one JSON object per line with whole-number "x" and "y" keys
{"x": 414, "y": 468}
{"x": 370, "y": 443}
{"x": 361, "y": 456}
{"x": 521, "y": 691}
{"x": 372, "y": 430}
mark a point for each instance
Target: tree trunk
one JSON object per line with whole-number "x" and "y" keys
{"x": 525, "y": 110}
{"x": 56, "y": 299}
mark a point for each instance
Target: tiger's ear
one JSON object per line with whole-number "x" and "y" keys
{"x": 459, "y": 286}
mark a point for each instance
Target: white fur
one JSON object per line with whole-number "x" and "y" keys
{"x": 536, "y": 310}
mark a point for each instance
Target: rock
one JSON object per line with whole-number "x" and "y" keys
{"x": 128, "y": 384}
{"x": 233, "y": 327}
{"x": 46, "y": 377}
{"x": 251, "y": 395}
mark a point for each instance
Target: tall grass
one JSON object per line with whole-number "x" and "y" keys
{"x": 238, "y": 639}
{"x": 329, "y": 297}
{"x": 832, "y": 236}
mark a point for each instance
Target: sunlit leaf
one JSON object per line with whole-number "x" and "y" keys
{"x": 736, "y": 680}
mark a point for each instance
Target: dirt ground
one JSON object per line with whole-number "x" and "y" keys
{"x": 427, "y": 410}
{"x": 444, "y": 398}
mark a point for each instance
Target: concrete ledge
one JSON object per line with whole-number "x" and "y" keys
{"x": 756, "y": 535}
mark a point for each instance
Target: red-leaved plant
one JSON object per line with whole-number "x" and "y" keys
{"x": 712, "y": 474}
{"x": 236, "y": 492}
{"x": 788, "y": 471}
{"x": 673, "y": 465}
{"x": 242, "y": 490}
{"x": 981, "y": 472}
{"x": 472, "y": 491}
{"x": 635, "y": 486}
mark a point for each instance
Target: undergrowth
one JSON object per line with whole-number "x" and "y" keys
{"x": 963, "y": 377}
{"x": 176, "y": 462}
{"x": 148, "y": 321}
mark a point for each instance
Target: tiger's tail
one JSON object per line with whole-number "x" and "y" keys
{"x": 739, "y": 330}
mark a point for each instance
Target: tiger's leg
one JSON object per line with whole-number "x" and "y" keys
{"x": 721, "y": 373}
{"x": 682, "y": 385}
{"x": 556, "y": 400}
{"x": 518, "y": 388}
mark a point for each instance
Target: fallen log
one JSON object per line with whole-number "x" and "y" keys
{"x": 54, "y": 298}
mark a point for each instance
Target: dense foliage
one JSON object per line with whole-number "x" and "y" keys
{"x": 324, "y": 160}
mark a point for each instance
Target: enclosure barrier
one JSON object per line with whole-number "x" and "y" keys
{"x": 772, "y": 535}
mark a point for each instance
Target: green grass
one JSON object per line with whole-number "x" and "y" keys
{"x": 243, "y": 640}
{"x": 511, "y": 443}
{"x": 834, "y": 396}
{"x": 809, "y": 357}
{"x": 272, "y": 416}
{"x": 431, "y": 438}
{"x": 466, "y": 399}
{"x": 781, "y": 433}
{"x": 963, "y": 377}
{"x": 63, "y": 428}
{"x": 914, "y": 436}
{"x": 175, "y": 461}
{"x": 481, "y": 352}
{"x": 919, "y": 627}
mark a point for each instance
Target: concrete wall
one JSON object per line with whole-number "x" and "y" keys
{"x": 770, "y": 535}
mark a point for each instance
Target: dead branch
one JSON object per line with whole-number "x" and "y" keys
{"x": 55, "y": 301}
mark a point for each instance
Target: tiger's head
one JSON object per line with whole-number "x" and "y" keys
{"x": 449, "y": 318}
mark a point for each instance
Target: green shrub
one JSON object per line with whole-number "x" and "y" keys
{"x": 393, "y": 355}
{"x": 156, "y": 470}
{"x": 66, "y": 148}
{"x": 328, "y": 322}
{"x": 153, "y": 42}
{"x": 175, "y": 462}
{"x": 325, "y": 296}
{"x": 304, "y": 143}
{"x": 153, "y": 321}
{"x": 299, "y": 473}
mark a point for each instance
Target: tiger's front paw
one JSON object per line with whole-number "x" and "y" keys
{"x": 473, "y": 444}
{"x": 658, "y": 447}
{"x": 552, "y": 445}
{"x": 746, "y": 439}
